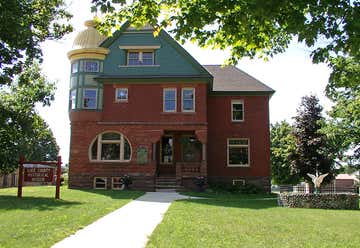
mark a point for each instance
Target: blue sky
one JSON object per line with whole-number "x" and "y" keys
{"x": 291, "y": 74}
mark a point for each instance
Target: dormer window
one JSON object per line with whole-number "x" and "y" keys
{"x": 140, "y": 58}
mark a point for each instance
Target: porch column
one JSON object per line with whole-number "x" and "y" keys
{"x": 203, "y": 155}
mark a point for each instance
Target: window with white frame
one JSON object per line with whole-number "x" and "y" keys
{"x": 89, "y": 98}
{"x": 121, "y": 95}
{"x": 140, "y": 57}
{"x": 73, "y": 99}
{"x": 238, "y": 152}
{"x": 100, "y": 182}
{"x": 91, "y": 66}
{"x": 237, "y": 110}
{"x": 188, "y": 100}
{"x": 169, "y": 100}
{"x": 110, "y": 146}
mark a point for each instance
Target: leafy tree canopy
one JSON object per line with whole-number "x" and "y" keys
{"x": 253, "y": 28}
{"x": 282, "y": 146}
{"x": 312, "y": 153}
{"x": 22, "y": 130}
{"x": 344, "y": 90}
{"x": 24, "y": 24}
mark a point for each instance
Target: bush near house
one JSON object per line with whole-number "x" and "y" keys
{"x": 323, "y": 200}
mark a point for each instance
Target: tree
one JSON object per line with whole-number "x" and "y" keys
{"x": 282, "y": 146}
{"x": 22, "y": 130}
{"x": 252, "y": 28}
{"x": 344, "y": 125}
{"x": 311, "y": 154}
{"x": 24, "y": 24}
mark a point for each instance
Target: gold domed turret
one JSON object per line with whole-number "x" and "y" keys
{"x": 86, "y": 44}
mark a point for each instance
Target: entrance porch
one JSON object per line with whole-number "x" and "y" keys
{"x": 181, "y": 157}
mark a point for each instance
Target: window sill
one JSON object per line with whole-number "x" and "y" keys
{"x": 111, "y": 161}
{"x": 237, "y": 121}
{"x": 128, "y": 66}
{"x": 179, "y": 113}
{"x": 121, "y": 101}
{"x": 238, "y": 165}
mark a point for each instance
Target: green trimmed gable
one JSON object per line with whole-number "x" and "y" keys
{"x": 169, "y": 57}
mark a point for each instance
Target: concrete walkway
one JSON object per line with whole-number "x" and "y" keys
{"x": 127, "y": 227}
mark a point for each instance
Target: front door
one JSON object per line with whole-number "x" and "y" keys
{"x": 166, "y": 164}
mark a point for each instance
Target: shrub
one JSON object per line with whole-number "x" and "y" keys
{"x": 322, "y": 200}
{"x": 126, "y": 180}
{"x": 248, "y": 188}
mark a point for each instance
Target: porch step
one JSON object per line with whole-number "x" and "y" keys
{"x": 167, "y": 184}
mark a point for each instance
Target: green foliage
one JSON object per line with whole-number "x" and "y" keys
{"x": 248, "y": 188}
{"x": 344, "y": 90}
{"x": 249, "y": 28}
{"x": 282, "y": 146}
{"x": 22, "y": 130}
{"x": 23, "y": 26}
{"x": 325, "y": 201}
{"x": 311, "y": 154}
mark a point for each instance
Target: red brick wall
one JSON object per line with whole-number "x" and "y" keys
{"x": 145, "y": 103}
{"x": 255, "y": 127}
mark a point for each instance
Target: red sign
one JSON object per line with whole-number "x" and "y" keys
{"x": 38, "y": 174}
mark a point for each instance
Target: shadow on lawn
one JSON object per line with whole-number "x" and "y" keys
{"x": 10, "y": 202}
{"x": 238, "y": 201}
{"x": 114, "y": 194}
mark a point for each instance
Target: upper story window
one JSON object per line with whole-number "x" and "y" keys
{"x": 73, "y": 99}
{"x": 91, "y": 66}
{"x": 121, "y": 95}
{"x": 75, "y": 67}
{"x": 89, "y": 98}
{"x": 110, "y": 146}
{"x": 169, "y": 100}
{"x": 140, "y": 58}
{"x": 237, "y": 110}
{"x": 188, "y": 100}
{"x": 238, "y": 152}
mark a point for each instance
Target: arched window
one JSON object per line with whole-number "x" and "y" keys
{"x": 110, "y": 146}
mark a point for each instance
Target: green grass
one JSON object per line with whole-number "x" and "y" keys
{"x": 38, "y": 220}
{"x": 228, "y": 220}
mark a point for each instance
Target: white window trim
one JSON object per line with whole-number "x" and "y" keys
{"x": 140, "y": 56}
{"x": 242, "y": 181}
{"x": 105, "y": 179}
{"x": 227, "y": 150}
{"x": 83, "y": 97}
{"x": 100, "y": 142}
{"x": 170, "y": 89}
{"x": 121, "y": 100}
{"x": 182, "y": 100}
{"x": 232, "y": 110}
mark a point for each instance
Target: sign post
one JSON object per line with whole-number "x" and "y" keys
{"x": 39, "y": 171}
{"x": 20, "y": 177}
{"x": 58, "y": 174}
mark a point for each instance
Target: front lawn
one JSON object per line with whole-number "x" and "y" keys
{"x": 228, "y": 220}
{"x": 38, "y": 220}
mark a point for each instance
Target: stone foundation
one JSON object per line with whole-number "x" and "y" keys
{"x": 141, "y": 182}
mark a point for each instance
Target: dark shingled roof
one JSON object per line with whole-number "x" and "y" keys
{"x": 232, "y": 79}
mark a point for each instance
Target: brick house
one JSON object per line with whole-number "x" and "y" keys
{"x": 141, "y": 105}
